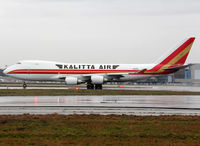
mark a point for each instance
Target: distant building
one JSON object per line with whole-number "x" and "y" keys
{"x": 189, "y": 75}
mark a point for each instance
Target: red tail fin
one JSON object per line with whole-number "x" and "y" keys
{"x": 176, "y": 58}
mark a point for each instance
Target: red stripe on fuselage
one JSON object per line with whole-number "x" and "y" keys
{"x": 64, "y": 71}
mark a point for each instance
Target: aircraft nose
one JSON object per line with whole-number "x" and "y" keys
{"x": 5, "y": 71}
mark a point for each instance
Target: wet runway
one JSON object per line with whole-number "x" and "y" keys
{"x": 134, "y": 105}
{"x": 126, "y": 87}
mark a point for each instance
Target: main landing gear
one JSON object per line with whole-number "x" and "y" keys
{"x": 98, "y": 87}
{"x": 24, "y": 85}
{"x": 94, "y": 86}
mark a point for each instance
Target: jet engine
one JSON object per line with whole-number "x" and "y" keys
{"x": 71, "y": 81}
{"x": 97, "y": 79}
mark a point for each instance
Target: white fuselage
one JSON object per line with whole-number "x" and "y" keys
{"x": 56, "y": 71}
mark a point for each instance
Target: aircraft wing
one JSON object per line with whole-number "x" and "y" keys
{"x": 113, "y": 75}
{"x": 138, "y": 72}
{"x": 108, "y": 74}
{"x": 177, "y": 68}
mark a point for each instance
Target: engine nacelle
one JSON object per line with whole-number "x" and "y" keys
{"x": 97, "y": 79}
{"x": 71, "y": 80}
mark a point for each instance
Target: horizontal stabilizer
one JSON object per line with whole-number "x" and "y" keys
{"x": 177, "y": 68}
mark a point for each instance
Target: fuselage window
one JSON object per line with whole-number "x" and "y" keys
{"x": 60, "y": 66}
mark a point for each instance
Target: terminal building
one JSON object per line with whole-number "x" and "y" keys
{"x": 189, "y": 75}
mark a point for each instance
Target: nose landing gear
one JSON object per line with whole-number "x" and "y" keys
{"x": 24, "y": 85}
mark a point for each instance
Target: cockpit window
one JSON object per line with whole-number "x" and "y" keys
{"x": 18, "y": 63}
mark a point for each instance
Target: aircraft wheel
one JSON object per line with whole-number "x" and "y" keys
{"x": 98, "y": 86}
{"x": 90, "y": 86}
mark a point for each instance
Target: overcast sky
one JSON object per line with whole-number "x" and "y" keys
{"x": 96, "y": 31}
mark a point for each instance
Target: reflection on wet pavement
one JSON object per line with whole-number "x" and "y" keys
{"x": 137, "y": 105}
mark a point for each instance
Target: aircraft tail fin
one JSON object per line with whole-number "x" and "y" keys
{"x": 177, "y": 57}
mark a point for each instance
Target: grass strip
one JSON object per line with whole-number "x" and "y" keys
{"x": 57, "y": 129}
{"x": 63, "y": 92}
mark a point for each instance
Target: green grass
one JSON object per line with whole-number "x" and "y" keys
{"x": 99, "y": 130}
{"x": 63, "y": 92}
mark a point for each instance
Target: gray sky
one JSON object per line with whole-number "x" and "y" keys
{"x": 96, "y": 31}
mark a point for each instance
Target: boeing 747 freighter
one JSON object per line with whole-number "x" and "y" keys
{"x": 94, "y": 75}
